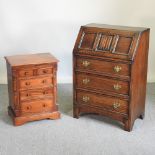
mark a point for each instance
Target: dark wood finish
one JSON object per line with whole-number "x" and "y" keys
{"x": 32, "y": 87}
{"x": 88, "y": 81}
{"x": 102, "y": 67}
{"x": 110, "y": 72}
{"x": 106, "y": 102}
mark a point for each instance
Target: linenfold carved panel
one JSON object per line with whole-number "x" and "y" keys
{"x": 106, "y": 42}
{"x": 114, "y": 44}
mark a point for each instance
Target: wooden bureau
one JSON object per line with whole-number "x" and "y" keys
{"x": 32, "y": 87}
{"x": 110, "y": 72}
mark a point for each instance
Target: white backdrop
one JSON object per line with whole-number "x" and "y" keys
{"x": 31, "y": 26}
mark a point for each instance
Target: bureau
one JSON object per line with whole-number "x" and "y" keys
{"x": 32, "y": 87}
{"x": 110, "y": 72}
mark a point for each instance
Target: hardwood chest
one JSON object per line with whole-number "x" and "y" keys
{"x": 32, "y": 87}
{"x": 110, "y": 72}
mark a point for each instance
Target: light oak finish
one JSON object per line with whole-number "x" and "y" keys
{"x": 110, "y": 72}
{"x": 32, "y": 87}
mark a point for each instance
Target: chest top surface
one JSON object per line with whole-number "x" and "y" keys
{"x": 31, "y": 59}
{"x": 110, "y": 41}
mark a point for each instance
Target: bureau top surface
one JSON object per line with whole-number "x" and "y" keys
{"x": 31, "y": 59}
{"x": 116, "y": 27}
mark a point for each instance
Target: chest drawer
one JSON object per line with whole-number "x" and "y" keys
{"x": 89, "y": 81}
{"x": 101, "y": 66}
{"x": 38, "y": 82}
{"x": 42, "y": 71}
{"x": 36, "y": 106}
{"x": 38, "y": 93}
{"x": 35, "y": 71}
{"x": 26, "y": 72}
{"x": 106, "y": 102}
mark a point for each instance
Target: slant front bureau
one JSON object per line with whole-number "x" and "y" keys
{"x": 32, "y": 87}
{"x": 110, "y": 72}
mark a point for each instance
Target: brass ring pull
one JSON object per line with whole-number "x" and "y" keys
{"x": 85, "y": 98}
{"x": 116, "y": 105}
{"x": 85, "y": 63}
{"x": 85, "y": 81}
{"x": 117, "y": 68}
{"x": 117, "y": 86}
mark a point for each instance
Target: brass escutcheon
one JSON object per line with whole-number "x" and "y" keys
{"x": 117, "y": 68}
{"x": 85, "y": 81}
{"x": 85, "y": 98}
{"x": 116, "y": 105}
{"x": 117, "y": 86}
{"x": 85, "y": 63}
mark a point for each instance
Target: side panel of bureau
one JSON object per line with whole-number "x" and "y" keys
{"x": 139, "y": 80}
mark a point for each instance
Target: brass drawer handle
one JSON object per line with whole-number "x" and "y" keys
{"x": 117, "y": 68}
{"x": 27, "y": 94}
{"x": 45, "y": 92}
{"x": 28, "y": 107}
{"x": 85, "y": 81}
{"x": 117, "y": 86}
{"x": 44, "y": 105}
{"x": 85, "y": 98}
{"x": 85, "y": 63}
{"x": 27, "y": 83}
{"x": 116, "y": 105}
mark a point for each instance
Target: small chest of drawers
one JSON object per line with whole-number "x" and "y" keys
{"x": 110, "y": 72}
{"x": 32, "y": 87}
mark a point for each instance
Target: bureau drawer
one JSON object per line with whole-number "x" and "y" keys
{"x": 105, "y": 67}
{"x": 37, "y": 106}
{"x": 38, "y": 93}
{"x": 106, "y": 102}
{"x": 89, "y": 81}
{"x": 38, "y": 82}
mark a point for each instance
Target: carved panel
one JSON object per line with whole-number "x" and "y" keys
{"x": 107, "y": 42}
{"x": 87, "y": 41}
{"x": 124, "y": 45}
